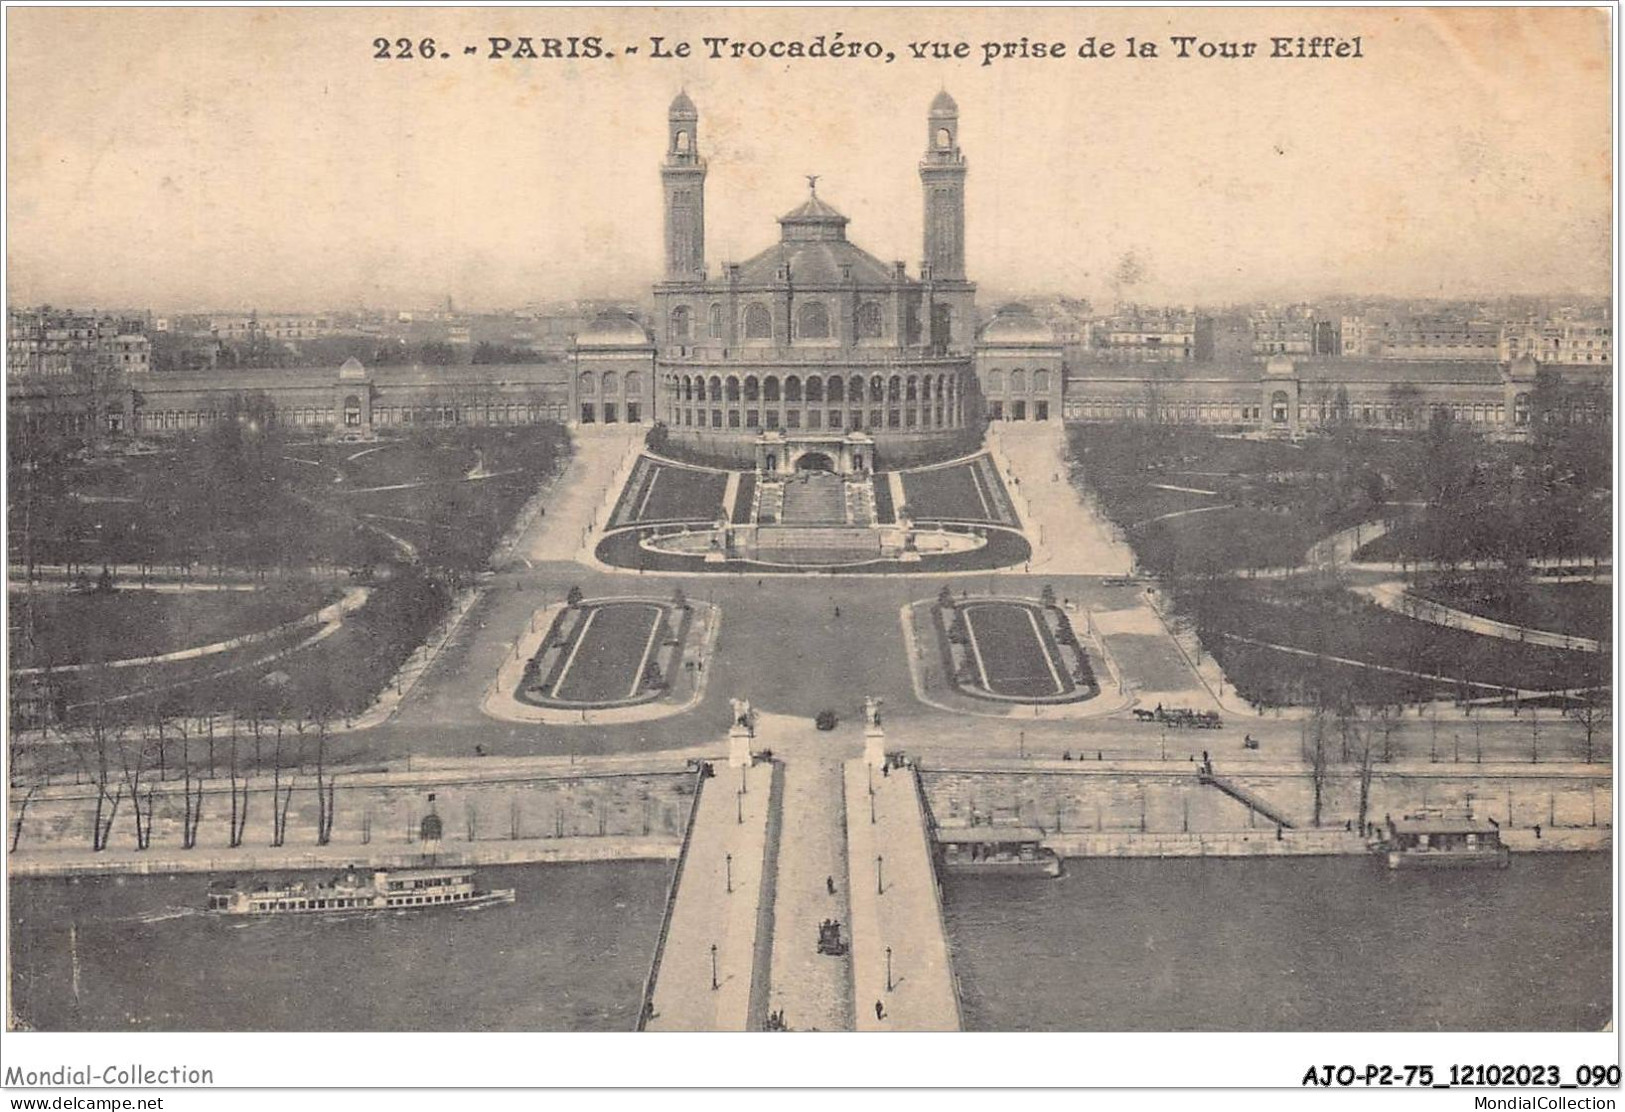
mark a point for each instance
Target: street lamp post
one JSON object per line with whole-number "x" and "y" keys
{"x": 739, "y": 807}
{"x": 880, "y": 876}
{"x": 714, "y": 984}
{"x": 888, "y": 968}
{"x": 730, "y": 864}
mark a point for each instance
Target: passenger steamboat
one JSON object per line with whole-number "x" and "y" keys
{"x": 352, "y": 890}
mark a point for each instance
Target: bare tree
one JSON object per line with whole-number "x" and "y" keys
{"x": 239, "y": 792}
{"x": 1317, "y": 756}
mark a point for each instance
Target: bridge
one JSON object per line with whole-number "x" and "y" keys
{"x": 777, "y": 848}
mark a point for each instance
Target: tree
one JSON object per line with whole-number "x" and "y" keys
{"x": 1317, "y": 756}
{"x": 1592, "y": 705}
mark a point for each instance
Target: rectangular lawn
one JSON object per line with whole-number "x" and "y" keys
{"x": 681, "y": 494}
{"x": 1014, "y": 658}
{"x": 946, "y": 494}
{"x": 604, "y": 664}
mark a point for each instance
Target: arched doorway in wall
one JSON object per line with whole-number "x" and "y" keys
{"x": 814, "y": 461}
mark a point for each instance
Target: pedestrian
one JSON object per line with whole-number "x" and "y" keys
{"x": 880, "y": 1010}
{"x": 1537, "y": 832}
{"x": 829, "y": 882}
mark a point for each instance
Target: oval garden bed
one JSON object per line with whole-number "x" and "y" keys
{"x": 1012, "y": 650}
{"x": 612, "y": 652}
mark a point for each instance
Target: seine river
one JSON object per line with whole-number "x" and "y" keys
{"x": 570, "y": 954}
{"x": 1334, "y": 943}
{"x": 1309, "y": 943}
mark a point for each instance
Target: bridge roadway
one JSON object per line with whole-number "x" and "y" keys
{"x": 718, "y": 903}
{"x": 813, "y": 834}
{"x": 900, "y": 955}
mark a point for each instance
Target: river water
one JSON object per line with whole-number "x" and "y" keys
{"x": 1331, "y": 943}
{"x": 1309, "y": 943}
{"x": 570, "y": 954}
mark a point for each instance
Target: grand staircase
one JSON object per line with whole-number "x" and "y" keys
{"x": 814, "y": 499}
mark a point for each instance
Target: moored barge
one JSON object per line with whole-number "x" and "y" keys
{"x": 1438, "y": 841}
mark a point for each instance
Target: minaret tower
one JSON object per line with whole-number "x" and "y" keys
{"x": 942, "y": 174}
{"x": 683, "y": 177}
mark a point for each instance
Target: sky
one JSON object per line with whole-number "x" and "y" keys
{"x": 263, "y": 158}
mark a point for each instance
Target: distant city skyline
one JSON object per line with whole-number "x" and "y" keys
{"x": 263, "y": 159}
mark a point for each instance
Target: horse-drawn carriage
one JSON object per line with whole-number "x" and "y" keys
{"x": 1181, "y": 718}
{"x": 830, "y": 940}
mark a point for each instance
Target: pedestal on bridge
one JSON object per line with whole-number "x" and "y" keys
{"x": 874, "y": 746}
{"x": 739, "y": 746}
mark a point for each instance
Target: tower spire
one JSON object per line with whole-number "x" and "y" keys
{"x": 683, "y": 180}
{"x": 942, "y": 177}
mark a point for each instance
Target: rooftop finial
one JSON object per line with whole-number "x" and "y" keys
{"x": 812, "y": 183}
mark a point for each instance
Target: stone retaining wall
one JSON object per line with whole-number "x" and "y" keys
{"x": 372, "y": 817}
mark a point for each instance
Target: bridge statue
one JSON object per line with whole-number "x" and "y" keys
{"x": 741, "y": 712}
{"x": 871, "y": 710}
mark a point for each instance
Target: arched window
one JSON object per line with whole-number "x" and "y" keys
{"x": 753, "y": 388}
{"x": 1018, "y": 381}
{"x": 1040, "y": 382}
{"x": 634, "y": 385}
{"x": 733, "y": 388}
{"x": 815, "y": 388}
{"x": 812, "y": 321}
{"x": 686, "y": 390}
{"x": 770, "y": 388}
{"x": 1278, "y": 407}
{"x": 1520, "y": 409}
{"x": 758, "y": 322}
{"x": 680, "y": 325}
{"x": 894, "y": 388}
{"x": 792, "y": 389}
{"x": 995, "y": 382}
{"x": 871, "y": 322}
{"x": 945, "y": 139}
{"x": 682, "y": 142}
{"x": 716, "y": 321}
{"x": 611, "y": 380}
{"x": 585, "y": 382}
{"x": 837, "y": 389}
{"x": 913, "y": 393}
{"x": 877, "y": 388}
{"x": 925, "y": 388}
{"x": 716, "y": 388}
{"x": 855, "y": 392}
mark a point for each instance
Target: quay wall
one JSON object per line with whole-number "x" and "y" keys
{"x": 375, "y": 818}
{"x": 259, "y": 858}
{"x": 1161, "y": 809}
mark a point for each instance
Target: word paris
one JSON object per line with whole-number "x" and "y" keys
{"x": 1176, "y": 46}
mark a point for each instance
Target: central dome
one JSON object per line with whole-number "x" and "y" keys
{"x": 813, "y": 219}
